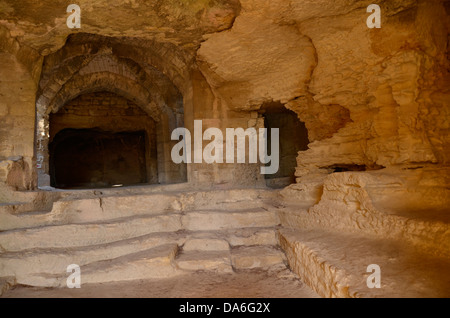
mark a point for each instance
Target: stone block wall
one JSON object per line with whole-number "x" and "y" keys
{"x": 17, "y": 114}
{"x": 102, "y": 113}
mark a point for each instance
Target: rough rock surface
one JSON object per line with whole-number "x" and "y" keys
{"x": 276, "y": 283}
{"x": 374, "y": 97}
{"x": 375, "y": 103}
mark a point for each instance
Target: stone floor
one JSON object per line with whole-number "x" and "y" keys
{"x": 255, "y": 283}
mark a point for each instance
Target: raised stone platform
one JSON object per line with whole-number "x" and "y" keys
{"x": 335, "y": 265}
{"x": 116, "y": 235}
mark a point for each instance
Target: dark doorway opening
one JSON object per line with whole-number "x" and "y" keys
{"x": 293, "y": 138}
{"x": 91, "y": 158}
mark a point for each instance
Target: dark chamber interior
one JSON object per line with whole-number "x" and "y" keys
{"x": 293, "y": 138}
{"x": 91, "y": 158}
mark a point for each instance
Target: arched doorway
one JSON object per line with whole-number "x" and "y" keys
{"x": 99, "y": 96}
{"x": 102, "y": 140}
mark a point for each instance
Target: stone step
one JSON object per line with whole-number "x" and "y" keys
{"x": 14, "y": 207}
{"x": 77, "y": 235}
{"x": 335, "y": 265}
{"x": 218, "y": 220}
{"x": 238, "y": 236}
{"x": 248, "y": 257}
{"x": 408, "y": 204}
{"x": 252, "y": 236}
{"x": 97, "y": 209}
{"x": 16, "y": 215}
{"x": 6, "y": 283}
{"x": 217, "y": 261}
{"x": 227, "y": 200}
{"x": 205, "y": 243}
{"x": 25, "y": 201}
{"x": 433, "y": 236}
{"x": 155, "y": 263}
{"x": 96, "y": 206}
{"x": 207, "y": 198}
{"x": 85, "y": 234}
{"x": 25, "y": 264}
{"x": 244, "y": 257}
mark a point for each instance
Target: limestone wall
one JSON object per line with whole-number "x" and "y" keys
{"x": 17, "y": 112}
{"x": 369, "y": 98}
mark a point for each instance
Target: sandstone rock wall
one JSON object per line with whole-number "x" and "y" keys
{"x": 369, "y": 98}
{"x": 17, "y": 112}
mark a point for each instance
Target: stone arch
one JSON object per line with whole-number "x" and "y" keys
{"x": 97, "y": 64}
{"x": 170, "y": 60}
{"x": 108, "y": 82}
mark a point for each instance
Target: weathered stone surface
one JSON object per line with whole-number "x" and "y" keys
{"x": 267, "y": 71}
{"x": 411, "y": 207}
{"x": 111, "y": 205}
{"x": 322, "y": 121}
{"x": 374, "y": 102}
{"x": 369, "y": 96}
{"x": 87, "y": 234}
{"x": 227, "y": 200}
{"x": 256, "y": 257}
{"x": 195, "y": 221}
{"x": 54, "y": 261}
{"x": 153, "y": 263}
{"x": 252, "y": 236}
{"x": 206, "y": 244}
{"x": 335, "y": 265}
{"x": 6, "y": 283}
{"x": 92, "y": 234}
{"x": 246, "y": 284}
{"x": 218, "y": 261}
{"x": 175, "y": 22}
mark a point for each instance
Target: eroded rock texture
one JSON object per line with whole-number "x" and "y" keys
{"x": 375, "y": 97}
{"x": 375, "y": 102}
